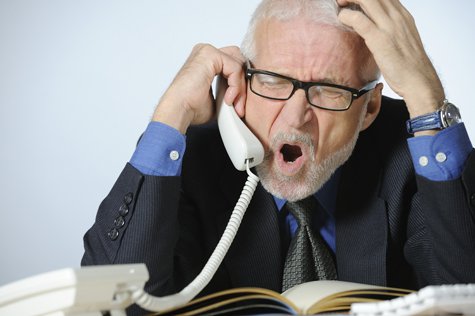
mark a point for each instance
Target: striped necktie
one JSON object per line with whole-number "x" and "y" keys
{"x": 308, "y": 257}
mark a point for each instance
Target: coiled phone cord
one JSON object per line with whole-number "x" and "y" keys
{"x": 158, "y": 304}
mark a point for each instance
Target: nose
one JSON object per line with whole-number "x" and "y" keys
{"x": 297, "y": 111}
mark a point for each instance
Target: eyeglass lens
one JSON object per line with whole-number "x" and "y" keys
{"x": 279, "y": 88}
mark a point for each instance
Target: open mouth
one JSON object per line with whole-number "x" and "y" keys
{"x": 290, "y": 153}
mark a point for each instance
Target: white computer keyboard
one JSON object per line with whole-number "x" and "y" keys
{"x": 432, "y": 300}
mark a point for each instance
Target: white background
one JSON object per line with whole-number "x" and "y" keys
{"x": 79, "y": 81}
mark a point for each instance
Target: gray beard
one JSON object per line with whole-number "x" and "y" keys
{"x": 310, "y": 178}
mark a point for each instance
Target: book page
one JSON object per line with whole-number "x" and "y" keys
{"x": 307, "y": 294}
{"x": 248, "y": 301}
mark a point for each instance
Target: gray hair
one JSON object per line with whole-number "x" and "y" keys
{"x": 319, "y": 11}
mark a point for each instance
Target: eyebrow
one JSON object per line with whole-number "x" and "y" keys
{"x": 330, "y": 80}
{"x": 337, "y": 82}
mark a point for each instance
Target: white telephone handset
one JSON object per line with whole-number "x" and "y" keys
{"x": 241, "y": 144}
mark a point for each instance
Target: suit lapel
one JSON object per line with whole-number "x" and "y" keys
{"x": 254, "y": 258}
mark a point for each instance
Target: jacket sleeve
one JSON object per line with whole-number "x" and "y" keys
{"x": 138, "y": 223}
{"x": 441, "y": 244}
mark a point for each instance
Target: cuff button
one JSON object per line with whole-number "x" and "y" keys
{"x": 128, "y": 198}
{"x": 113, "y": 234}
{"x": 423, "y": 161}
{"x": 123, "y": 210}
{"x": 119, "y": 221}
{"x": 441, "y": 157}
{"x": 174, "y": 155}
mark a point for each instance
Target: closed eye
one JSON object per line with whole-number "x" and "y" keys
{"x": 271, "y": 81}
{"x": 328, "y": 92}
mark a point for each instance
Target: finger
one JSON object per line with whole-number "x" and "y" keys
{"x": 386, "y": 14}
{"x": 240, "y": 104}
{"x": 401, "y": 29}
{"x": 235, "y": 52}
{"x": 233, "y": 66}
{"x": 358, "y": 21}
{"x": 236, "y": 92}
{"x": 375, "y": 10}
{"x": 233, "y": 71}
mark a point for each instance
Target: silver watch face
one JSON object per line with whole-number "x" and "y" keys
{"x": 451, "y": 115}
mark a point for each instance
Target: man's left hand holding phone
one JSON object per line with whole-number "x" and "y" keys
{"x": 189, "y": 101}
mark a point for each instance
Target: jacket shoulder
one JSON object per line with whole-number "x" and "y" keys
{"x": 391, "y": 120}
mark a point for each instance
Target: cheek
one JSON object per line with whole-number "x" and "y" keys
{"x": 336, "y": 129}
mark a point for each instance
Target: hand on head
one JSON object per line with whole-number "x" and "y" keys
{"x": 390, "y": 33}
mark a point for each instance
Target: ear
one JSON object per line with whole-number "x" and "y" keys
{"x": 373, "y": 107}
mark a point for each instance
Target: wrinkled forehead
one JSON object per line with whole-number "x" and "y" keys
{"x": 298, "y": 42}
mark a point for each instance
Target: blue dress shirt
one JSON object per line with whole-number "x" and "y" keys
{"x": 438, "y": 158}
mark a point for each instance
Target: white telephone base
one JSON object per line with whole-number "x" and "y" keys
{"x": 86, "y": 291}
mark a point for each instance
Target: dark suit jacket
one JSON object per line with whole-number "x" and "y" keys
{"x": 392, "y": 227}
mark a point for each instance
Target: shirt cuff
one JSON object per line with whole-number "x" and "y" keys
{"x": 159, "y": 151}
{"x": 441, "y": 157}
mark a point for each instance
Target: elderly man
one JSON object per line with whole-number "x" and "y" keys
{"x": 390, "y": 184}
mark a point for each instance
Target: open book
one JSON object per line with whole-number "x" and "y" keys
{"x": 304, "y": 299}
{"x": 97, "y": 290}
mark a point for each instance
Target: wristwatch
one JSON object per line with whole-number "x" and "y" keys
{"x": 447, "y": 116}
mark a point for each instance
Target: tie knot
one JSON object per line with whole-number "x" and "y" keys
{"x": 302, "y": 210}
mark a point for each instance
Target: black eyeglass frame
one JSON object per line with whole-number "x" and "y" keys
{"x": 355, "y": 93}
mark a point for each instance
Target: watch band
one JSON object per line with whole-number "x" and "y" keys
{"x": 424, "y": 122}
{"x": 448, "y": 115}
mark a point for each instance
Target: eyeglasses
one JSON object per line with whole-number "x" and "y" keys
{"x": 322, "y": 95}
